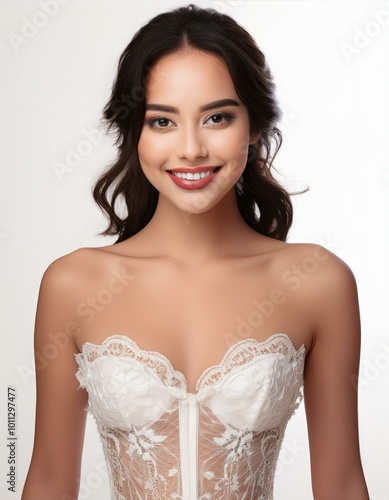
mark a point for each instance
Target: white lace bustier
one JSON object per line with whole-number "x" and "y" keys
{"x": 162, "y": 442}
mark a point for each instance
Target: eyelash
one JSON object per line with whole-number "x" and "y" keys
{"x": 227, "y": 118}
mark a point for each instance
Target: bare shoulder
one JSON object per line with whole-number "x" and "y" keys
{"x": 317, "y": 280}
{"x": 319, "y": 267}
{"x": 73, "y": 276}
{"x": 84, "y": 263}
{"x": 327, "y": 287}
{"x": 73, "y": 260}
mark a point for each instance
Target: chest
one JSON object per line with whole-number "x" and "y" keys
{"x": 192, "y": 316}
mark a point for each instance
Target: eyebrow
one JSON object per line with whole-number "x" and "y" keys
{"x": 207, "y": 107}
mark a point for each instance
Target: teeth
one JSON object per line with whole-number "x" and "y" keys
{"x": 193, "y": 177}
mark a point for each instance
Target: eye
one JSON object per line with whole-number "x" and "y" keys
{"x": 158, "y": 122}
{"x": 220, "y": 118}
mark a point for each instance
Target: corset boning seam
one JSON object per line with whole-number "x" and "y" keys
{"x": 188, "y": 425}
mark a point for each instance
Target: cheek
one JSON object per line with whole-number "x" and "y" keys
{"x": 233, "y": 145}
{"x": 151, "y": 149}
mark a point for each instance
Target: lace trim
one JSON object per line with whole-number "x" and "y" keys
{"x": 246, "y": 351}
{"x": 241, "y": 353}
{"x": 123, "y": 346}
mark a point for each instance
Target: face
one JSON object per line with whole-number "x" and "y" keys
{"x": 194, "y": 143}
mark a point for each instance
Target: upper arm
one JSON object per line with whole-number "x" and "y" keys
{"x": 331, "y": 370}
{"x": 60, "y": 405}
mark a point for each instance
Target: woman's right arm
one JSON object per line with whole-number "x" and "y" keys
{"x": 54, "y": 472}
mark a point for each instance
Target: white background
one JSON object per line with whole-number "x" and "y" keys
{"x": 330, "y": 63}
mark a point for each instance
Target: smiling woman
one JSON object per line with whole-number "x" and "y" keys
{"x": 159, "y": 57}
{"x": 182, "y": 411}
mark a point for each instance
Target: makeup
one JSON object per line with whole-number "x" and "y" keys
{"x": 193, "y": 178}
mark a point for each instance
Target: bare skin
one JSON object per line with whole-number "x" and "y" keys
{"x": 192, "y": 283}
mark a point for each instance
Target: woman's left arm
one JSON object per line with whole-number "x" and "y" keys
{"x": 330, "y": 392}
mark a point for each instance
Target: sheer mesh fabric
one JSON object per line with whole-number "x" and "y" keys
{"x": 244, "y": 404}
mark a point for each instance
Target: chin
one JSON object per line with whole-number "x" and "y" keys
{"x": 199, "y": 206}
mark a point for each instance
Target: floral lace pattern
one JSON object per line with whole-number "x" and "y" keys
{"x": 244, "y": 404}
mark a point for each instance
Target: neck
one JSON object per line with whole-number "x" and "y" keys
{"x": 194, "y": 238}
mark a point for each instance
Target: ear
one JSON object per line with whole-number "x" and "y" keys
{"x": 254, "y": 136}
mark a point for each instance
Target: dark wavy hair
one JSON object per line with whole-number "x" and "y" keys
{"x": 209, "y": 31}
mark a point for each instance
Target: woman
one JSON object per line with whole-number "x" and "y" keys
{"x": 193, "y": 335}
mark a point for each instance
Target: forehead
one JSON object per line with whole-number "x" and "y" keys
{"x": 200, "y": 75}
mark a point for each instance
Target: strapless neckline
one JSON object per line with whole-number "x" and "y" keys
{"x": 228, "y": 354}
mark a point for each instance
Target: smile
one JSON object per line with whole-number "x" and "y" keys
{"x": 193, "y": 176}
{"x": 193, "y": 180}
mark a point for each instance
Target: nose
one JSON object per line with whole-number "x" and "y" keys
{"x": 191, "y": 144}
